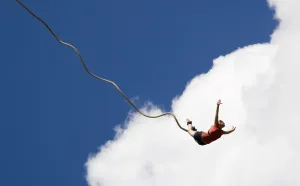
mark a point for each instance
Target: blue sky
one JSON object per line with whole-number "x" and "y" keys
{"x": 54, "y": 114}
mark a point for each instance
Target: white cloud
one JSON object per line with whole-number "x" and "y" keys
{"x": 258, "y": 85}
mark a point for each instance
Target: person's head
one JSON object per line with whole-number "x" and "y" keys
{"x": 221, "y": 123}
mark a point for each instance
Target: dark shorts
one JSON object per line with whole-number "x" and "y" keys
{"x": 198, "y": 138}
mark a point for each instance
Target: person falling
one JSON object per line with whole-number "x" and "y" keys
{"x": 214, "y": 133}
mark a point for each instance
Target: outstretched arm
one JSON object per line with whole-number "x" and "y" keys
{"x": 229, "y": 131}
{"x": 217, "y": 113}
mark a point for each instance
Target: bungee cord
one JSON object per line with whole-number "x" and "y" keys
{"x": 93, "y": 75}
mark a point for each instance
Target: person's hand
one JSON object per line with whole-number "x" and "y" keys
{"x": 233, "y": 128}
{"x": 219, "y": 102}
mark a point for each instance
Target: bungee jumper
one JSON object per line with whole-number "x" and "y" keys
{"x": 202, "y": 138}
{"x": 213, "y": 134}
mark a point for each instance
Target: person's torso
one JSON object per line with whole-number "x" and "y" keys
{"x": 213, "y": 134}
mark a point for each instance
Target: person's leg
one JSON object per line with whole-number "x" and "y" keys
{"x": 190, "y": 130}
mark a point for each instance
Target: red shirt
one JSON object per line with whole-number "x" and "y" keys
{"x": 213, "y": 134}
